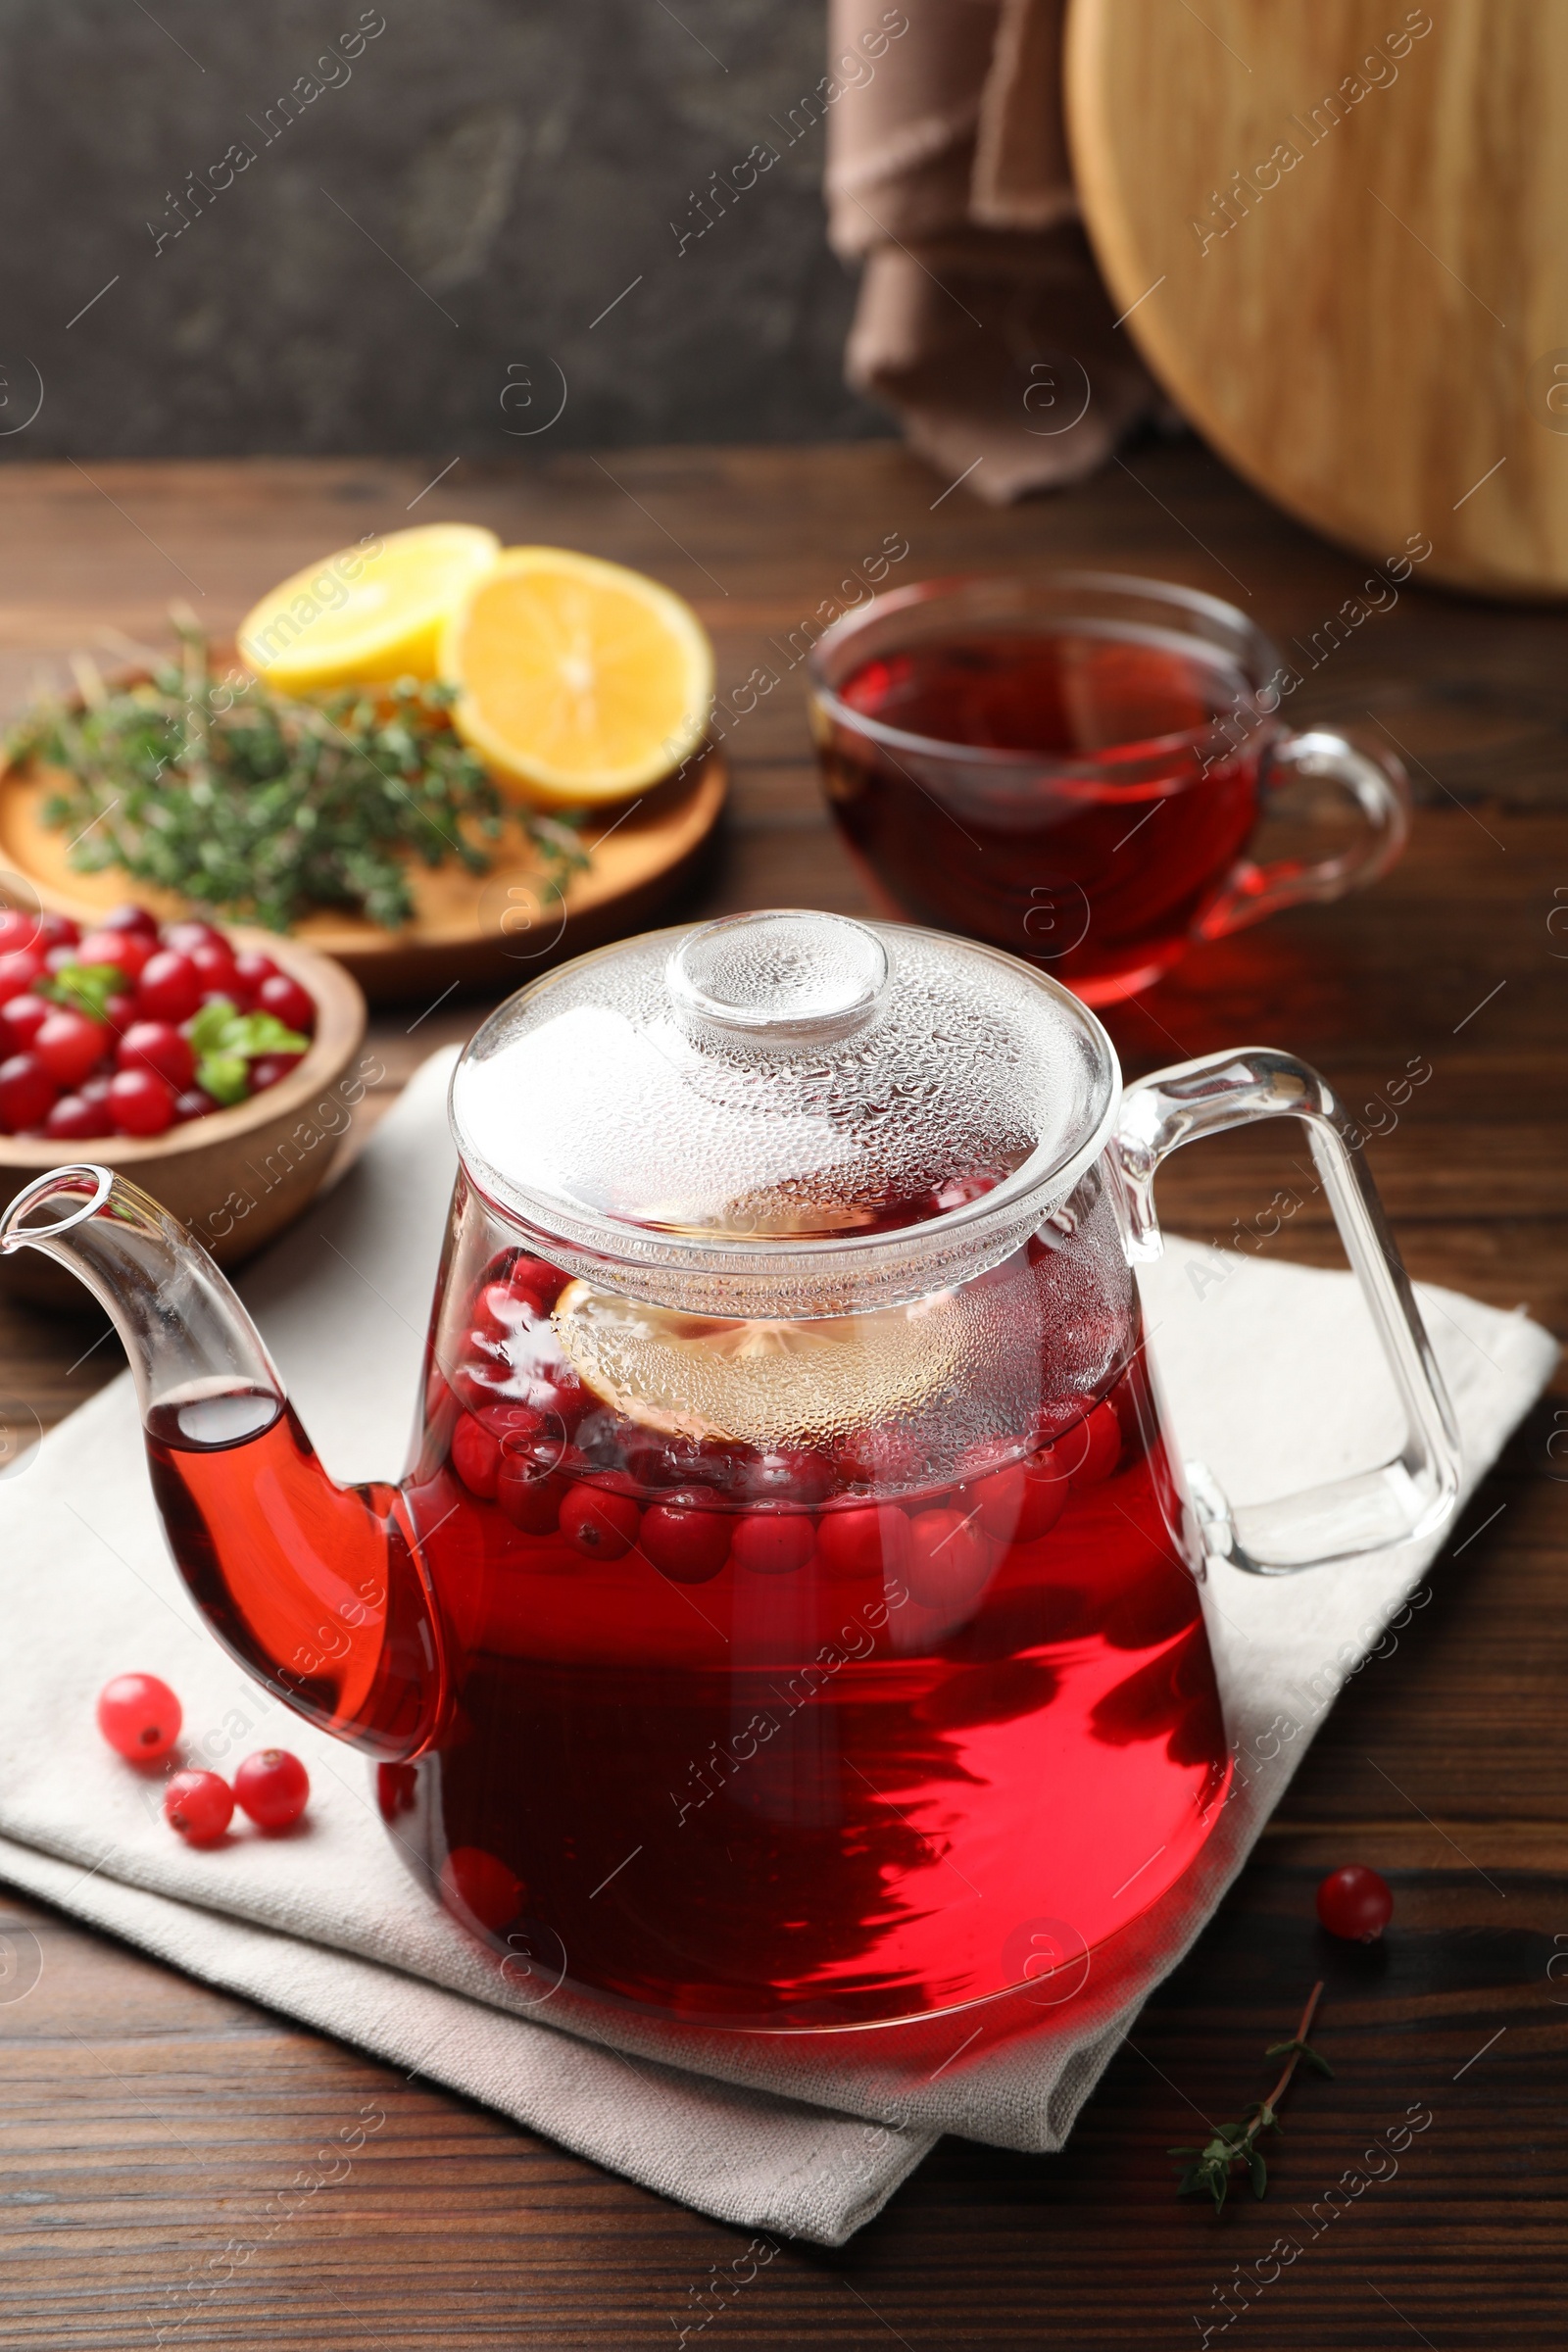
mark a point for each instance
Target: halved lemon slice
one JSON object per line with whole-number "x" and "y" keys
{"x": 762, "y": 1384}
{"x": 366, "y": 612}
{"x": 577, "y": 680}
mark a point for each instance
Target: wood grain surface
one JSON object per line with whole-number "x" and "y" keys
{"x": 145, "y": 2119}
{"x": 1335, "y": 232}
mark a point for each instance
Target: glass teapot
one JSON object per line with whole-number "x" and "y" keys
{"x": 793, "y": 1598}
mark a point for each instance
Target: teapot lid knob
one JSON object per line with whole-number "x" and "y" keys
{"x": 790, "y": 976}
{"x": 784, "y": 1113}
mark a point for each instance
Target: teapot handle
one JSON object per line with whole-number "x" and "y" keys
{"x": 1415, "y": 1495}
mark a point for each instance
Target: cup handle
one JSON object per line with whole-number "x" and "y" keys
{"x": 1407, "y": 1499}
{"x": 1377, "y": 783}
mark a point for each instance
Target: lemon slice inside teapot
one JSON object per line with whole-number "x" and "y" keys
{"x": 760, "y": 1382}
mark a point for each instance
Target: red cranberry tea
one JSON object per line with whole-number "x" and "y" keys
{"x": 1098, "y": 846}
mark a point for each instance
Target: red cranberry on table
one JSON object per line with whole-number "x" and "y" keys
{"x": 273, "y": 1787}
{"x": 1355, "y": 1904}
{"x": 56, "y": 930}
{"x": 199, "y": 1805}
{"x": 140, "y": 1716}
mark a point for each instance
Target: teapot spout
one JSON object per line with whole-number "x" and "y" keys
{"x": 318, "y": 1590}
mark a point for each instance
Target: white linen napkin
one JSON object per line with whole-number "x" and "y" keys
{"x": 1274, "y": 1381}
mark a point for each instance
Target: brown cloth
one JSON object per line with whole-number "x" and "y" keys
{"x": 982, "y": 318}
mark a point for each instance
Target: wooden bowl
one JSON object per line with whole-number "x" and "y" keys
{"x": 239, "y": 1176}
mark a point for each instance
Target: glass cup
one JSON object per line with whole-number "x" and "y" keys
{"x": 1073, "y": 766}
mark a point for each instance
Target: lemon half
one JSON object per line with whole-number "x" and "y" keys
{"x": 577, "y": 680}
{"x": 369, "y": 612}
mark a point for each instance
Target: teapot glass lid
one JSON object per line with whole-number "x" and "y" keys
{"x": 784, "y": 1112}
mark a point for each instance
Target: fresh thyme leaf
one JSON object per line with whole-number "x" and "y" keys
{"x": 1299, "y": 2050}
{"x": 1209, "y": 2170}
{"x": 241, "y": 799}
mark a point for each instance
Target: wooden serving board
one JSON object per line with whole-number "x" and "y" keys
{"x": 1338, "y": 240}
{"x": 473, "y": 931}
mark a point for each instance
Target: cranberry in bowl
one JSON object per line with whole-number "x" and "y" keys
{"x": 219, "y": 1068}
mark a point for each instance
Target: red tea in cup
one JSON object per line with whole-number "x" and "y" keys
{"x": 1073, "y": 769}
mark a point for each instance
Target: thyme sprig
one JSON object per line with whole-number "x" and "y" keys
{"x": 1234, "y": 2146}
{"x": 245, "y": 799}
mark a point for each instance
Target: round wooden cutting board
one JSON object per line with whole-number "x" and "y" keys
{"x": 494, "y": 930}
{"x": 1336, "y": 228}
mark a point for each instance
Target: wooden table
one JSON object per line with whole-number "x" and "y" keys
{"x": 148, "y": 2119}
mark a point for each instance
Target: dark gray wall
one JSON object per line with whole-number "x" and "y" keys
{"x": 510, "y": 167}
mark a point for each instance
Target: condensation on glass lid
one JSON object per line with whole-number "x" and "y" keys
{"x": 891, "y": 1076}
